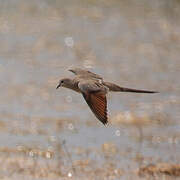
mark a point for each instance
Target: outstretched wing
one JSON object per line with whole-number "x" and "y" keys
{"x": 95, "y": 97}
{"x": 82, "y": 72}
{"x": 98, "y": 104}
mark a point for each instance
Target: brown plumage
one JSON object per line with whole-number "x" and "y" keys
{"x": 94, "y": 90}
{"x": 98, "y": 104}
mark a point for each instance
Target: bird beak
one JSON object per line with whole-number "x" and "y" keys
{"x": 59, "y": 85}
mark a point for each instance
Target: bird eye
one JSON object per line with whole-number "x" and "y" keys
{"x": 62, "y": 81}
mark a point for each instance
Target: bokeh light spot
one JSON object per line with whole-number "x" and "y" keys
{"x": 69, "y": 174}
{"x": 70, "y": 126}
{"x": 117, "y": 133}
{"x": 68, "y": 99}
{"x": 69, "y": 41}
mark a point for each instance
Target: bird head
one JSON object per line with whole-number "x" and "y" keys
{"x": 65, "y": 82}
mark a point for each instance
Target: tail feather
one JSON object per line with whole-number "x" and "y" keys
{"x": 116, "y": 88}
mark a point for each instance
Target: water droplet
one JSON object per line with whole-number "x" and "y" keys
{"x": 69, "y": 41}
{"x": 68, "y": 99}
{"x": 69, "y": 174}
{"x": 48, "y": 155}
{"x": 31, "y": 153}
{"x": 70, "y": 126}
{"x": 117, "y": 132}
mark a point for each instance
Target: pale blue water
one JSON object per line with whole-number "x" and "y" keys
{"x": 134, "y": 46}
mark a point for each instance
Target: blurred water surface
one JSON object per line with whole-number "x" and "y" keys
{"x": 133, "y": 43}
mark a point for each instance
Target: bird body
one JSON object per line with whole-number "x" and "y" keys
{"x": 94, "y": 90}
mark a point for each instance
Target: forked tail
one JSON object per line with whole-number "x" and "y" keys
{"x": 116, "y": 88}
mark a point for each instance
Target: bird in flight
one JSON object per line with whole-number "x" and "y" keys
{"x": 94, "y": 90}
